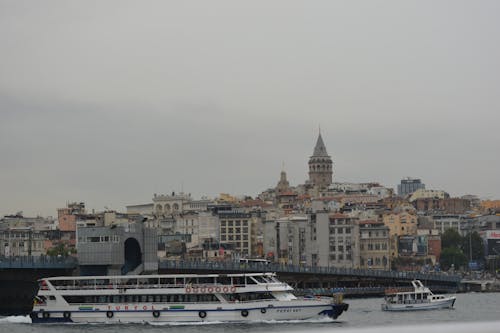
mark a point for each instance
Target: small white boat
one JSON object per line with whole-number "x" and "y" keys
{"x": 176, "y": 298}
{"x": 420, "y": 298}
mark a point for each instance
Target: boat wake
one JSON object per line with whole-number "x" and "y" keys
{"x": 16, "y": 320}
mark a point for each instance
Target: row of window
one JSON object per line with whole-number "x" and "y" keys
{"x": 172, "y": 298}
{"x": 231, "y": 230}
{"x": 106, "y": 299}
{"x": 340, "y": 248}
{"x": 236, "y": 223}
{"x": 339, "y": 230}
{"x": 376, "y": 246}
{"x": 340, "y": 256}
{"x": 233, "y": 237}
{"x": 99, "y": 239}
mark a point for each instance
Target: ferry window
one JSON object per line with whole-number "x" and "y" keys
{"x": 143, "y": 298}
{"x": 251, "y": 280}
{"x": 52, "y": 298}
{"x": 116, "y": 299}
{"x": 224, "y": 280}
{"x": 153, "y": 281}
{"x": 166, "y": 281}
{"x": 206, "y": 280}
{"x": 131, "y": 282}
{"x": 151, "y": 298}
{"x": 238, "y": 280}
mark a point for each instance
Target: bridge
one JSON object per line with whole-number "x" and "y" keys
{"x": 41, "y": 262}
{"x": 18, "y": 279}
{"x": 321, "y": 279}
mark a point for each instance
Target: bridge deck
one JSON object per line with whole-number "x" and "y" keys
{"x": 258, "y": 267}
{"x": 43, "y": 262}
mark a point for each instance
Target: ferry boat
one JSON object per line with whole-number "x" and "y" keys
{"x": 177, "y": 298}
{"x": 420, "y": 298}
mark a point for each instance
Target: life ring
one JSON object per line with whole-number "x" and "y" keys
{"x": 202, "y": 314}
{"x": 46, "y": 315}
{"x": 263, "y": 310}
{"x": 156, "y": 314}
{"x": 244, "y": 313}
{"x": 110, "y": 314}
{"x": 67, "y": 314}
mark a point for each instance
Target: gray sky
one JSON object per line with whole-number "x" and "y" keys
{"x": 108, "y": 102}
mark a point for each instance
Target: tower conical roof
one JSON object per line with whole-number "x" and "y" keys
{"x": 320, "y": 149}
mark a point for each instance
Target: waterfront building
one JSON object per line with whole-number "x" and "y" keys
{"x": 409, "y": 185}
{"x": 400, "y": 223}
{"x": 449, "y": 205}
{"x": 335, "y": 240}
{"x": 141, "y": 209}
{"x": 235, "y": 229}
{"x": 423, "y": 193}
{"x": 117, "y": 250}
{"x": 286, "y": 239}
{"x": 373, "y": 245}
{"x": 22, "y": 241}
{"x": 449, "y": 221}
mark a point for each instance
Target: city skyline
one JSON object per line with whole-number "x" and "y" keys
{"x": 109, "y": 109}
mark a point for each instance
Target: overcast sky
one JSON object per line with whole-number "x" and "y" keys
{"x": 108, "y": 102}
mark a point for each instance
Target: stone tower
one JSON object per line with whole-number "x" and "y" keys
{"x": 283, "y": 185}
{"x": 320, "y": 165}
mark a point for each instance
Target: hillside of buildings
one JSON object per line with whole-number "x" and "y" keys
{"x": 318, "y": 223}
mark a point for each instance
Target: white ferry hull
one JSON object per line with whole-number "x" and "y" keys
{"x": 241, "y": 313}
{"x": 439, "y": 304}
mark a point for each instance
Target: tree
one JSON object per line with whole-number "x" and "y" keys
{"x": 451, "y": 238}
{"x": 452, "y": 256}
{"x": 60, "y": 249}
{"x": 477, "y": 246}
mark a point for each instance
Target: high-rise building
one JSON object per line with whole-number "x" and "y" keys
{"x": 409, "y": 185}
{"x": 320, "y": 165}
